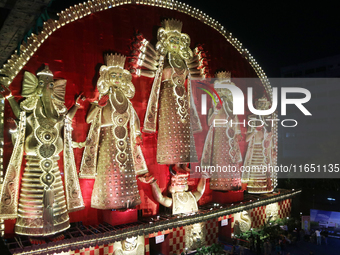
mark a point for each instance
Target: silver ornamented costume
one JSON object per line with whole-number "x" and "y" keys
{"x": 111, "y": 155}
{"x": 221, "y": 149}
{"x": 41, "y": 208}
{"x": 171, "y": 65}
{"x": 260, "y": 153}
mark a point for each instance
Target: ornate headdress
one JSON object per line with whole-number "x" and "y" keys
{"x": 223, "y": 75}
{"x": 46, "y": 71}
{"x": 173, "y": 25}
{"x": 115, "y": 62}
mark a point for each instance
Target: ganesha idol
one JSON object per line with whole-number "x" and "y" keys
{"x": 112, "y": 155}
{"x": 40, "y": 204}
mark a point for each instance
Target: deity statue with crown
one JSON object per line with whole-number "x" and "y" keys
{"x": 221, "y": 148}
{"x": 260, "y": 152}
{"x": 171, "y": 64}
{"x": 40, "y": 204}
{"x": 112, "y": 155}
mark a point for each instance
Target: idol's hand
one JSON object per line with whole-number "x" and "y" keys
{"x": 139, "y": 140}
{"x": 4, "y": 91}
{"x": 205, "y": 175}
{"x": 146, "y": 178}
{"x": 103, "y": 101}
{"x": 218, "y": 107}
{"x": 12, "y": 124}
{"x": 80, "y": 101}
{"x": 239, "y": 138}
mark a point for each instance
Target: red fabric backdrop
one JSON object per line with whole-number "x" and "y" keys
{"x": 75, "y": 53}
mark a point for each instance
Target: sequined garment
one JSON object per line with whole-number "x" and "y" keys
{"x": 171, "y": 64}
{"x": 175, "y": 139}
{"x": 259, "y": 181}
{"x": 42, "y": 211}
{"x": 115, "y": 186}
{"x": 226, "y": 154}
{"x": 221, "y": 153}
{"x": 258, "y": 159}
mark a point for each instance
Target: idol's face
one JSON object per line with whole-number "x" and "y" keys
{"x": 174, "y": 43}
{"x": 262, "y": 105}
{"x": 115, "y": 78}
{"x": 178, "y": 184}
{"x": 45, "y": 86}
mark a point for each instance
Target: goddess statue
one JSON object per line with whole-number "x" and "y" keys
{"x": 112, "y": 155}
{"x": 171, "y": 64}
{"x": 260, "y": 152}
{"x": 41, "y": 208}
{"x": 221, "y": 146}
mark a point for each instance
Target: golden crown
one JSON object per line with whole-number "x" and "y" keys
{"x": 263, "y": 99}
{"x": 115, "y": 60}
{"x": 46, "y": 71}
{"x": 223, "y": 75}
{"x": 172, "y": 25}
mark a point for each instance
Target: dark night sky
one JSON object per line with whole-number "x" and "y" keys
{"x": 276, "y": 33}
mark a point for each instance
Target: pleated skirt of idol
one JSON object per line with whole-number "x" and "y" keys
{"x": 221, "y": 155}
{"x": 115, "y": 186}
{"x": 41, "y": 212}
{"x": 258, "y": 181}
{"x": 42, "y": 209}
{"x": 176, "y": 144}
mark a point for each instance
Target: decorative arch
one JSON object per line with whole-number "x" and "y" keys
{"x": 29, "y": 57}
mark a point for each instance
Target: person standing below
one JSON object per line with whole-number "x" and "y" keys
{"x": 318, "y": 237}
{"x": 325, "y": 235}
